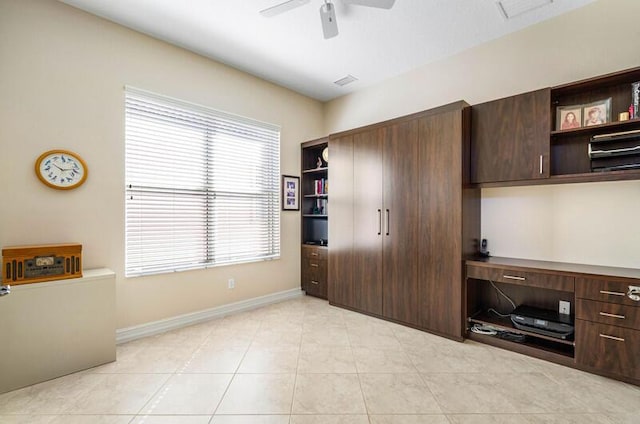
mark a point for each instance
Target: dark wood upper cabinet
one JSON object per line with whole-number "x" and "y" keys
{"x": 519, "y": 140}
{"x": 510, "y": 138}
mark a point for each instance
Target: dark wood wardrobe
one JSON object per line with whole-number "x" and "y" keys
{"x": 404, "y": 218}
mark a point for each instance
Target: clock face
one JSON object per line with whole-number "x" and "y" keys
{"x": 61, "y": 169}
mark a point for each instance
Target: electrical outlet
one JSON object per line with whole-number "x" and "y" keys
{"x": 232, "y": 283}
{"x": 565, "y": 307}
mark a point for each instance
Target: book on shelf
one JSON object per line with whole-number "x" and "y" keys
{"x": 320, "y": 207}
{"x": 320, "y": 186}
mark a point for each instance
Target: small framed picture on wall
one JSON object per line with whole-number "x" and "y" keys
{"x": 568, "y": 117}
{"x": 290, "y": 193}
{"x": 597, "y": 113}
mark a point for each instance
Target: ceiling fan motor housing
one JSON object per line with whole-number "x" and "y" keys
{"x": 328, "y": 19}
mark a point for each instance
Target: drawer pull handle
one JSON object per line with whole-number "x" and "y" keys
{"x": 314, "y": 282}
{"x": 513, "y": 277}
{"x": 314, "y": 265}
{"x": 611, "y": 293}
{"x": 634, "y": 293}
{"x": 606, "y": 336}
{"x": 606, "y": 314}
{"x": 314, "y": 254}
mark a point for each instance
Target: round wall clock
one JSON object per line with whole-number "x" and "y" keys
{"x": 325, "y": 154}
{"x": 61, "y": 169}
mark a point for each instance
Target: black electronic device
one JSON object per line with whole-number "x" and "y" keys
{"x": 483, "y": 249}
{"x": 543, "y": 321}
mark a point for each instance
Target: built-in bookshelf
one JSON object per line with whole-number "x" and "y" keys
{"x": 315, "y": 217}
{"x": 315, "y": 192}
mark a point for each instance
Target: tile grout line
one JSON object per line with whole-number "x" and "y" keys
{"x": 171, "y": 375}
{"x": 233, "y": 376}
{"x": 295, "y": 378}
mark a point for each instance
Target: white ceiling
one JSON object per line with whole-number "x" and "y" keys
{"x": 289, "y": 49}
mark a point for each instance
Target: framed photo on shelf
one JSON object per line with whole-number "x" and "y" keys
{"x": 597, "y": 113}
{"x": 290, "y": 193}
{"x": 568, "y": 117}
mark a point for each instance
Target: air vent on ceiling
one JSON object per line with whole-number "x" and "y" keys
{"x": 512, "y": 8}
{"x": 346, "y": 80}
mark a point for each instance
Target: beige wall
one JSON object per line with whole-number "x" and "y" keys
{"x": 586, "y": 223}
{"x": 62, "y": 77}
{"x": 63, "y": 73}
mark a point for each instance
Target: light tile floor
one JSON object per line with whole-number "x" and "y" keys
{"x": 305, "y": 362}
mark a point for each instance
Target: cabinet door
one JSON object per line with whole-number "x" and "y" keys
{"x": 440, "y": 211}
{"x": 510, "y": 138}
{"x": 340, "y": 278}
{"x": 401, "y": 219}
{"x": 367, "y": 220}
{"x": 608, "y": 348}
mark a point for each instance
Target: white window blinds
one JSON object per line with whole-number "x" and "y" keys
{"x": 202, "y": 186}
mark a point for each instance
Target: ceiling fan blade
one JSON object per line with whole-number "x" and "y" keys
{"x": 328, "y": 18}
{"x": 282, "y": 7}
{"x": 380, "y": 4}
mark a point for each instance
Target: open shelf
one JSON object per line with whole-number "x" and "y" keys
{"x": 600, "y": 129}
{"x": 536, "y": 351}
{"x": 537, "y": 345}
{"x": 317, "y": 196}
{"x": 315, "y": 215}
{"x": 505, "y": 324}
{"x": 314, "y": 170}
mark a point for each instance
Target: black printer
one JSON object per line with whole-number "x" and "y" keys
{"x": 543, "y": 321}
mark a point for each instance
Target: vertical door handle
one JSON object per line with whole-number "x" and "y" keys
{"x": 387, "y": 221}
{"x": 541, "y": 165}
{"x": 379, "y": 221}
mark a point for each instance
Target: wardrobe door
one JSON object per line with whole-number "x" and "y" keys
{"x": 440, "y": 209}
{"x": 340, "y": 276}
{"x": 401, "y": 222}
{"x": 368, "y": 218}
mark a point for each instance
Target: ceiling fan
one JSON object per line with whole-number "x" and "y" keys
{"x": 327, "y": 11}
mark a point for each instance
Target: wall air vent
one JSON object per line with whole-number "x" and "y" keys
{"x": 512, "y": 8}
{"x": 346, "y": 80}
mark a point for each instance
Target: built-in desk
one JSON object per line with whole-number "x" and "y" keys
{"x": 603, "y": 306}
{"x": 55, "y": 328}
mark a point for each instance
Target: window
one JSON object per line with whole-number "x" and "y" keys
{"x": 202, "y": 186}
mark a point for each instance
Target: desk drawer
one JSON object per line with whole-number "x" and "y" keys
{"x": 608, "y": 348}
{"x": 316, "y": 268}
{"x": 312, "y": 252}
{"x": 606, "y": 290}
{"x": 523, "y": 278}
{"x": 314, "y": 277}
{"x": 608, "y": 313}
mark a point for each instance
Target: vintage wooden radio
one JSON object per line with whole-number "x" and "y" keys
{"x": 32, "y": 264}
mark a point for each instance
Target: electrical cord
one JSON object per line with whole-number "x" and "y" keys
{"x": 486, "y": 330}
{"x": 498, "y": 313}
{"x": 502, "y": 293}
{"x": 506, "y": 297}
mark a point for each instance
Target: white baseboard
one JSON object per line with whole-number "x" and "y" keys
{"x": 128, "y": 334}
